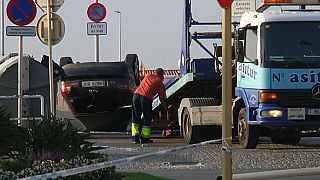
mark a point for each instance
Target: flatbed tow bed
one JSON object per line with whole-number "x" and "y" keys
{"x": 187, "y": 86}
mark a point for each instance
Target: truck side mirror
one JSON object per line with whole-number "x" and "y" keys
{"x": 240, "y": 51}
{"x": 241, "y": 33}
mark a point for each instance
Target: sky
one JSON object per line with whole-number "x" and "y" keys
{"x": 150, "y": 28}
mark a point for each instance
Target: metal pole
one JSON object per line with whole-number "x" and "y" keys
{"x": 226, "y": 95}
{"x": 2, "y": 27}
{"x": 20, "y": 92}
{"x": 52, "y": 100}
{"x": 120, "y": 40}
{"x": 97, "y": 46}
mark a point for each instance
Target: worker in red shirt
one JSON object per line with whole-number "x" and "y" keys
{"x": 151, "y": 85}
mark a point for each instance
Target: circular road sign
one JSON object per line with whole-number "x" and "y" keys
{"x": 96, "y": 12}
{"x": 58, "y": 29}
{"x": 225, "y": 4}
{"x": 55, "y": 4}
{"x": 21, "y": 12}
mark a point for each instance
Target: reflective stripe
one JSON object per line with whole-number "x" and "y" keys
{"x": 146, "y": 131}
{"x": 135, "y": 129}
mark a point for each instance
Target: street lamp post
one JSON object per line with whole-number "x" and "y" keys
{"x": 119, "y": 12}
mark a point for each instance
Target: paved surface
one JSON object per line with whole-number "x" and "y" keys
{"x": 205, "y": 162}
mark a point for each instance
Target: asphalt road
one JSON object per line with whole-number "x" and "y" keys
{"x": 204, "y": 162}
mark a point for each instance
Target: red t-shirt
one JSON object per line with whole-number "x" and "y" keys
{"x": 150, "y": 86}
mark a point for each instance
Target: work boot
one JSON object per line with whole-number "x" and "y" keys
{"x": 136, "y": 140}
{"x": 146, "y": 140}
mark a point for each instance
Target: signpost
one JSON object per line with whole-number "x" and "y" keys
{"x": 96, "y": 12}
{"x": 58, "y": 27}
{"x": 241, "y": 6}
{"x": 50, "y": 31}
{"x": 226, "y": 90}
{"x": 97, "y": 28}
{"x": 21, "y": 31}
{"x": 20, "y": 12}
{"x": 225, "y": 4}
{"x": 55, "y": 4}
{"x": 2, "y": 27}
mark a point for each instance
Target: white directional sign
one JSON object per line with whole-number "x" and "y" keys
{"x": 97, "y": 28}
{"x": 58, "y": 29}
{"x": 21, "y": 31}
{"x": 56, "y": 4}
{"x": 241, "y": 6}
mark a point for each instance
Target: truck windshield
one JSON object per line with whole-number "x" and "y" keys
{"x": 291, "y": 44}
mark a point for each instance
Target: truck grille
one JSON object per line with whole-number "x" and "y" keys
{"x": 297, "y": 98}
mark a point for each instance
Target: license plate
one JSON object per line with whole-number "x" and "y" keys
{"x": 296, "y": 113}
{"x": 93, "y": 83}
{"x": 314, "y": 112}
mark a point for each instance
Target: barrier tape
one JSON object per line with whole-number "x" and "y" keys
{"x": 93, "y": 167}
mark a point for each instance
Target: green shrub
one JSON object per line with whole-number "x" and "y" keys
{"x": 12, "y": 137}
{"x": 43, "y": 167}
{"x": 57, "y": 139}
{"x": 15, "y": 164}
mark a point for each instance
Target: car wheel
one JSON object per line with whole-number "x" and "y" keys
{"x": 133, "y": 61}
{"x": 248, "y": 135}
{"x": 65, "y": 61}
{"x": 190, "y": 133}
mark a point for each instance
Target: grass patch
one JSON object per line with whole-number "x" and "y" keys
{"x": 140, "y": 176}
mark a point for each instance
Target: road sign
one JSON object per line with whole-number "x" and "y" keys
{"x": 21, "y": 12}
{"x": 96, "y": 12}
{"x": 56, "y": 4}
{"x": 241, "y": 6}
{"x": 225, "y": 4}
{"x": 58, "y": 29}
{"x": 97, "y": 28}
{"x": 21, "y": 31}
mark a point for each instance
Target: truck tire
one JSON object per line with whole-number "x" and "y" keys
{"x": 133, "y": 61}
{"x": 190, "y": 133}
{"x": 248, "y": 135}
{"x": 286, "y": 138}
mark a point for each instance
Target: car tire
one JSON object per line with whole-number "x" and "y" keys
{"x": 65, "y": 61}
{"x": 133, "y": 61}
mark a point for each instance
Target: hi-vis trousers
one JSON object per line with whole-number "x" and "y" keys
{"x": 141, "y": 104}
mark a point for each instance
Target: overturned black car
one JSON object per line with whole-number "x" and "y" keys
{"x": 99, "y": 93}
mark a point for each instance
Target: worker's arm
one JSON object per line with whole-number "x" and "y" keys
{"x": 162, "y": 97}
{"x": 163, "y": 102}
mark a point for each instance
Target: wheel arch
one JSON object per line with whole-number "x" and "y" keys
{"x": 238, "y": 104}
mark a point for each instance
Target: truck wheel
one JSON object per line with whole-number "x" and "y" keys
{"x": 248, "y": 135}
{"x": 133, "y": 61}
{"x": 190, "y": 133}
{"x": 289, "y": 138}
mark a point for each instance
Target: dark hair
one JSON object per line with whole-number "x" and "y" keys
{"x": 160, "y": 72}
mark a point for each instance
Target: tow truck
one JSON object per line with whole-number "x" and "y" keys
{"x": 276, "y": 76}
